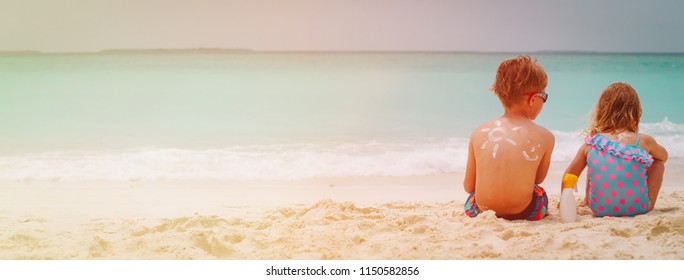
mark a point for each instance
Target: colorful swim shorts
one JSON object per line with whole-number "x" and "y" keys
{"x": 537, "y": 209}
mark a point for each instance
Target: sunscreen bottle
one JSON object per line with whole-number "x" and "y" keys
{"x": 568, "y": 205}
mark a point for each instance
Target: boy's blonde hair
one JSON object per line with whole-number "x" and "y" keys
{"x": 517, "y": 76}
{"x": 618, "y": 109}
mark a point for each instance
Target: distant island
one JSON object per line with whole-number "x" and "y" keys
{"x": 132, "y": 51}
{"x": 20, "y": 53}
{"x": 173, "y": 51}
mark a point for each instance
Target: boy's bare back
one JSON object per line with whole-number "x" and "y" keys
{"x": 512, "y": 154}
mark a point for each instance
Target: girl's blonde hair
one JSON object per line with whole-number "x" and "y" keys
{"x": 618, "y": 109}
{"x": 517, "y": 76}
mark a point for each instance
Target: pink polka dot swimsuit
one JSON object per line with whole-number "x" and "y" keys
{"x": 617, "y": 177}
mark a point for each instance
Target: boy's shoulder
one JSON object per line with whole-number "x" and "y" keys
{"x": 543, "y": 130}
{"x": 503, "y": 125}
{"x": 502, "y": 129}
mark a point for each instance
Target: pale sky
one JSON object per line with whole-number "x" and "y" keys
{"x": 344, "y": 25}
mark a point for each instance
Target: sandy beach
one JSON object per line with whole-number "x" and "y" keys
{"x": 354, "y": 218}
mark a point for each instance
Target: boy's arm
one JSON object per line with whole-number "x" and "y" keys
{"x": 469, "y": 181}
{"x": 543, "y": 168}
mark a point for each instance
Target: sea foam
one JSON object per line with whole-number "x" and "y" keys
{"x": 268, "y": 162}
{"x": 284, "y": 162}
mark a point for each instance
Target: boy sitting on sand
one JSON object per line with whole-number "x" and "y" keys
{"x": 508, "y": 157}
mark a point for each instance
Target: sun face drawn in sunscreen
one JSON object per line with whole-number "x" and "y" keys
{"x": 498, "y": 134}
{"x": 495, "y": 135}
{"x": 532, "y": 152}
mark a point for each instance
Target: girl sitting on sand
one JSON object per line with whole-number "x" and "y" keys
{"x": 625, "y": 167}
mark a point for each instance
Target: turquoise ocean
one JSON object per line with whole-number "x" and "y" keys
{"x": 283, "y": 116}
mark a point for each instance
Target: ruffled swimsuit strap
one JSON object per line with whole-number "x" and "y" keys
{"x": 637, "y": 140}
{"x": 621, "y": 150}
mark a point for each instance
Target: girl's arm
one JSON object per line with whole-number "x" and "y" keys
{"x": 578, "y": 164}
{"x": 653, "y": 148}
{"x": 586, "y": 193}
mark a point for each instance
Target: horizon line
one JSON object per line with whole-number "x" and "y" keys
{"x": 242, "y": 50}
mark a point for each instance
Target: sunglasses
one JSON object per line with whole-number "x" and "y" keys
{"x": 543, "y": 95}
